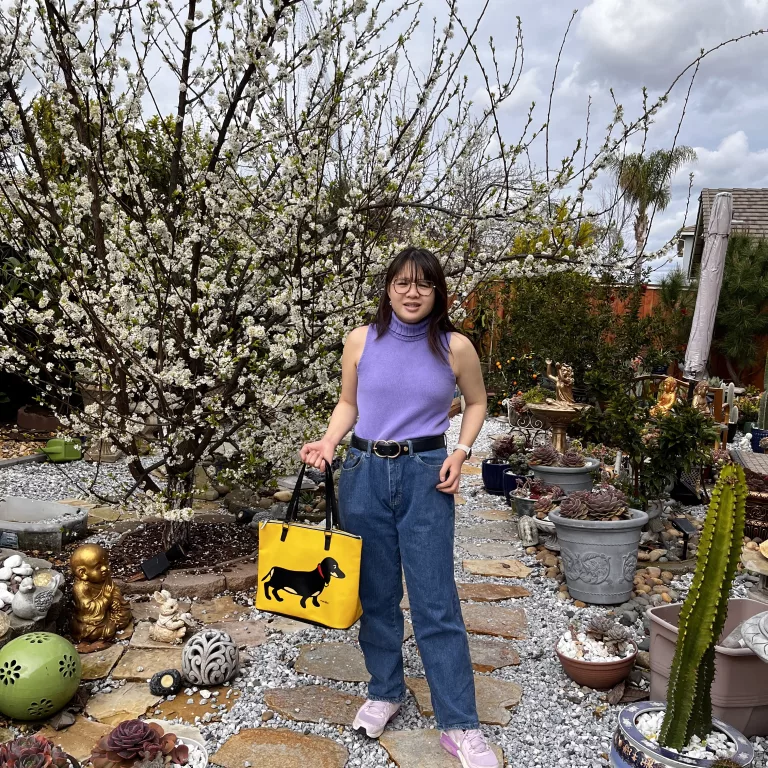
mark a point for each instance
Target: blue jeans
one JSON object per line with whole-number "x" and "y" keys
{"x": 407, "y": 525}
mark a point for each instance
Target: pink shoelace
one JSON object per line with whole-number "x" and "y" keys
{"x": 476, "y": 742}
{"x": 376, "y": 708}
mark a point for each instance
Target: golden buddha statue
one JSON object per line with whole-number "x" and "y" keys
{"x": 563, "y": 382}
{"x": 100, "y": 610}
{"x": 700, "y": 398}
{"x": 667, "y": 397}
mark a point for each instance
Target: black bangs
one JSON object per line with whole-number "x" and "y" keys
{"x": 420, "y": 263}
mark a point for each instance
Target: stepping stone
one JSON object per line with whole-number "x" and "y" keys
{"x": 496, "y": 514}
{"x": 141, "y": 638}
{"x": 247, "y": 634}
{"x": 459, "y": 500}
{"x": 126, "y": 703}
{"x": 141, "y": 664}
{"x": 79, "y": 739}
{"x": 494, "y": 698}
{"x": 200, "y": 707}
{"x": 334, "y": 661}
{"x": 488, "y": 655}
{"x": 99, "y": 664}
{"x": 490, "y": 593}
{"x": 314, "y": 703}
{"x": 470, "y": 469}
{"x": 508, "y": 569}
{"x": 495, "y": 620}
{"x": 500, "y": 531}
{"x": 201, "y": 585}
{"x": 218, "y": 609}
{"x": 489, "y": 550}
{"x": 421, "y": 749}
{"x": 279, "y": 748}
{"x": 149, "y": 610}
{"x": 285, "y": 625}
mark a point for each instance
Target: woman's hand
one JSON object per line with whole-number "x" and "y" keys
{"x": 450, "y": 473}
{"x": 317, "y": 453}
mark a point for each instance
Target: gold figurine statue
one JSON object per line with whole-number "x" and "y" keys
{"x": 667, "y": 397}
{"x": 100, "y": 610}
{"x": 700, "y": 398}
{"x": 563, "y": 382}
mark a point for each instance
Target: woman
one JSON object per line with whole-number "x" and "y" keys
{"x": 396, "y": 492}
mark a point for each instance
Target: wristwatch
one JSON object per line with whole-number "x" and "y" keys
{"x": 464, "y": 448}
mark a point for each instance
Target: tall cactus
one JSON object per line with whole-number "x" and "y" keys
{"x": 702, "y": 617}
{"x": 762, "y": 418}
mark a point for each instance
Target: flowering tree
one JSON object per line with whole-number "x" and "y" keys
{"x": 201, "y": 263}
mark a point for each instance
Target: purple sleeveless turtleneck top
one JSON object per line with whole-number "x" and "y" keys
{"x": 403, "y": 390}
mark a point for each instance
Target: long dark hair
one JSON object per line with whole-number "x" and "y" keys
{"x": 414, "y": 261}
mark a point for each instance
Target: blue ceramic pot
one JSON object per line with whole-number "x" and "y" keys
{"x": 757, "y": 436}
{"x": 630, "y": 749}
{"x": 493, "y": 476}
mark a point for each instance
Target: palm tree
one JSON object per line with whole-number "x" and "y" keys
{"x": 645, "y": 182}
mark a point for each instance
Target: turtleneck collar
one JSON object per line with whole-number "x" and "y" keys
{"x": 408, "y": 331}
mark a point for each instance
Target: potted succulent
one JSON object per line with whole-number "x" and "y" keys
{"x": 682, "y": 731}
{"x": 503, "y": 448}
{"x": 137, "y": 744}
{"x": 571, "y": 471}
{"x": 599, "y": 535}
{"x": 34, "y": 752}
{"x": 599, "y": 657}
{"x": 532, "y": 492}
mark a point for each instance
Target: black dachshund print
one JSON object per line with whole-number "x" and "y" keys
{"x": 305, "y": 583}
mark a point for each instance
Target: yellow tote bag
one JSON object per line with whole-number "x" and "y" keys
{"x": 308, "y": 572}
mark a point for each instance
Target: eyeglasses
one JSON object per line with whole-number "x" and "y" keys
{"x": 424, "y": 287}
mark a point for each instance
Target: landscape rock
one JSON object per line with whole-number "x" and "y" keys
{"x": 334, "y": 661}
{"x": 421, "y": 749}
{"x": 279, "y": 748}
{"x": 313, "y": 703}
{"x": 98, "y": 665}
{"x": 495, "y": 620}
{"x": 487, "y": 592}
{"x": 125, "y": 703}
{"x": 508, "y": 569}
{"x": 79, "y": 739}
{"x": 488, "y": 655}
{"x": 496, "y": 514}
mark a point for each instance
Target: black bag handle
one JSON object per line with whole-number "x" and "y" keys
{"x": 331, "y": 505}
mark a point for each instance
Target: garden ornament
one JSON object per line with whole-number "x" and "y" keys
{"x": 210, "y": 658}
{"x": 528, "y": 531}
{"x": 563, "y": 382}
{"x": 100, "y": 610}
{"x": 32, "y": 602}
{"x": 667, "y": 397}
{"x": 171, "y": 624}
{"x": 700, "y": 398}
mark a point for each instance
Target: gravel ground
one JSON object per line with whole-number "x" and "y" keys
{"x": 557, "y": 723}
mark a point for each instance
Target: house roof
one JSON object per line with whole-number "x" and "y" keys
{"x": 750, "y": 214}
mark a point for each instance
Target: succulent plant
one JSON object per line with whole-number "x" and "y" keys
{"x": 574, "y": 506}
{"x": 606, "y": 503}
{"x": 32, "y": 752}
{"x": 599, "y": 626}
{"x": 505, "y": 446}
{"x": 617, "y": 634}
{"x": 134, "y": 742}
{"x": 545, "y": 456}
{"x": 572, "y": 458}
{"x": 542, "y": 506}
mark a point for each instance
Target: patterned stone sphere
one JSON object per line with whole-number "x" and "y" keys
{"x": 39, "y": 674}
{"x": 210, "y": 658}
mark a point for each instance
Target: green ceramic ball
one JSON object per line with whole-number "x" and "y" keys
{"x": 39, "y": 674}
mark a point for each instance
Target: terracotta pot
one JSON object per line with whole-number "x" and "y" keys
{"x": 601, "y": 675}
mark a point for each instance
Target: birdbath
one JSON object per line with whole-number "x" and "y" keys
{"x": 558, "y": 416}
{"x": 755, "y": 563}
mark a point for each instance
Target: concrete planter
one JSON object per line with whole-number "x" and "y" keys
{"x": 570, "y": 479}
{"x": 600, "y": 557}
{"x": 30, "y": 524}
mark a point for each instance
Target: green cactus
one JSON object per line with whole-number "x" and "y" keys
{"x": 702, "y": 617}
{"x": 762, "y": 419}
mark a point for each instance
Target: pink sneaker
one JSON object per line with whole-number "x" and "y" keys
{"x": 372, "y": 718}
{"x": 470, "y": 747}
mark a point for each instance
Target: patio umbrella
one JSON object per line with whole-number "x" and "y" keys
{"x": 710, "y": 282}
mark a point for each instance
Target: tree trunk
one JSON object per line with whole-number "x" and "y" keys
{"x": 179, "y": 492}
{"x": 641, "y": 232}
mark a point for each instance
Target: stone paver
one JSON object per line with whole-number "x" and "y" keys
{"x": 141, "y": 664}
{"x": 508, "y": 569}
{"x": 496, "y": 514}
{"x": 218, "y": 609}
{"x": 494, "y": 698}
{"x": 125, "y": 703}
{"x": 285, "y": 625}
{"x": 460, "y": 501}
{"x": 203, "y": 586}
{"x": 313, "y": 703}
{"x": 495, "y": 620}
{"x": 181, "y": 707}
{"x": 279, "y": 748}
{"x": 148, "y": 611}
{"x": 490, "y": 593}
{"x": 141, "y": 638}
{"x": 488, "y": 655}
{"x": 99, "y": 664}
{"x": 334, "y": 661}
{"x": 247, "y": 634}
{"x": 500, "y": 531}
{"x": 490, "y": 549}
{"x": 470, "y": 469}
{"x": 79, "y": 739}
{"x": 421, "y": 749}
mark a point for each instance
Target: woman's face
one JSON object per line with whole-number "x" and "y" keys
{"x": 411, "y": 306}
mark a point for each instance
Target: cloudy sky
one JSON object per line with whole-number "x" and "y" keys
{"x": 628, "y": 44}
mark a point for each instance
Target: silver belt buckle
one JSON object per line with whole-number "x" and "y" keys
{"x": 399, "y": 449}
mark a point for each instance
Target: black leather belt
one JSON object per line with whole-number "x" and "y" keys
{"x": 391, "y": 449}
